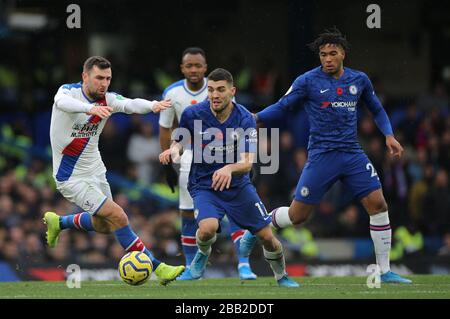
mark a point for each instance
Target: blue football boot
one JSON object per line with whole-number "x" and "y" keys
{"x": 393, "y": 278}
{"x": 198, "y": 265}
{"x": 186, "y": 275}
{"x": 285, "y": 281}
{"x": 248, "y": 241}
{"x": 246, "y": 273}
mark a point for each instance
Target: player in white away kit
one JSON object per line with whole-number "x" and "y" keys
{"x": 79, "y": 114}
{"x": 186, "y": 92}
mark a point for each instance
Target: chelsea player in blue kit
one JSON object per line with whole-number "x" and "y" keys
{"x": 219, "y": 131}
{"x": 331, "y": 95}
{"x": 190, "y": 91}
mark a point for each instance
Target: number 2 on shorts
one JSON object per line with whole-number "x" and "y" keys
{"x": 369, "y": 166}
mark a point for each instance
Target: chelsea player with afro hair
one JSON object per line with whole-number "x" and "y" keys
{"x": 331, "y": 95}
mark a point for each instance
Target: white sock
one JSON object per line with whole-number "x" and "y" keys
{"x": 280, "y": 217}
{"x": 205, "y": 246}
{"x": 381, "y": 233}
{"x": 276, "y": 262}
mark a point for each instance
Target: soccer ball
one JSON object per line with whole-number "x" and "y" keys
{"x": 135, "y": 268}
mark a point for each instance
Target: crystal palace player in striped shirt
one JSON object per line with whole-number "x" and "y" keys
{"x": 79, "y": 114}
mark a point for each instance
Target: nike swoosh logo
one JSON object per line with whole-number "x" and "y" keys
{"x": 323, "y": 91}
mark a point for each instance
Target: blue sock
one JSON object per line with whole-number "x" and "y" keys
{"x": 236, "y": 237}
{"x": 82, "y": 221}
{"x": 131, "y": 242}
{"x": 188, "y": 241}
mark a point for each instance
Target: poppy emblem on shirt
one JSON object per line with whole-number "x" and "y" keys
{"x": 194, "y": 102}
{"x": 325, "y": 105}
{"x": 353, "y": 89}
{"x": 339, "y": 91}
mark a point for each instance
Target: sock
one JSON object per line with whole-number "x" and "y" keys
{"x": 205, "y": 246}
{"x": 131, "y": 242}
{"x": 381, "y": 233}
{"x": 188, "y": 241}
{"x": 236, "y": 237}
{"x": 280, "y": 217}
{"x": 276, "y": 262}
{"x": 81, "y": 221}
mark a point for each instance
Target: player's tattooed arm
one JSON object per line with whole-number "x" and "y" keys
{"x": 164, "y": 137}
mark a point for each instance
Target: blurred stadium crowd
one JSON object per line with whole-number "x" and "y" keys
{"x": 416, "y": 186}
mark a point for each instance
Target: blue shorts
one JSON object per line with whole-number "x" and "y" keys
{"x": 244, "y": 208}
{"x": 322, "y": 170}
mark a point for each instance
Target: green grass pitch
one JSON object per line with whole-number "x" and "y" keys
{"x": 424, "y": 287}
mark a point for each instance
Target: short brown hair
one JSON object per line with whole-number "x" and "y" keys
{"x": 221, "y": 75}
{"x": 97, "y": 61}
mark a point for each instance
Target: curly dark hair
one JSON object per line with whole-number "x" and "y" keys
{"x": 330, "y": 36}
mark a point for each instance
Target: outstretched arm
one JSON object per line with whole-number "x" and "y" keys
{"x": 138, "y": 106}
{"x": 293, "y": 98}
{"x": 141, "y": 106}
{"x": 65, "y": 102}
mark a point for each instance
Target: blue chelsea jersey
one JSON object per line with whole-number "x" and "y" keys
{"x": 216, "y": 144}
{"x": 331, "y": 105}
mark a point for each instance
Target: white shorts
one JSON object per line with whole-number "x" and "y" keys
{"x": 186, "y": 202}
{"x": 88, "y": 193}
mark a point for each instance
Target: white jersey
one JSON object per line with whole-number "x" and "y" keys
{"x": 181, "y": 98}
{"x": 74, "y": 134}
